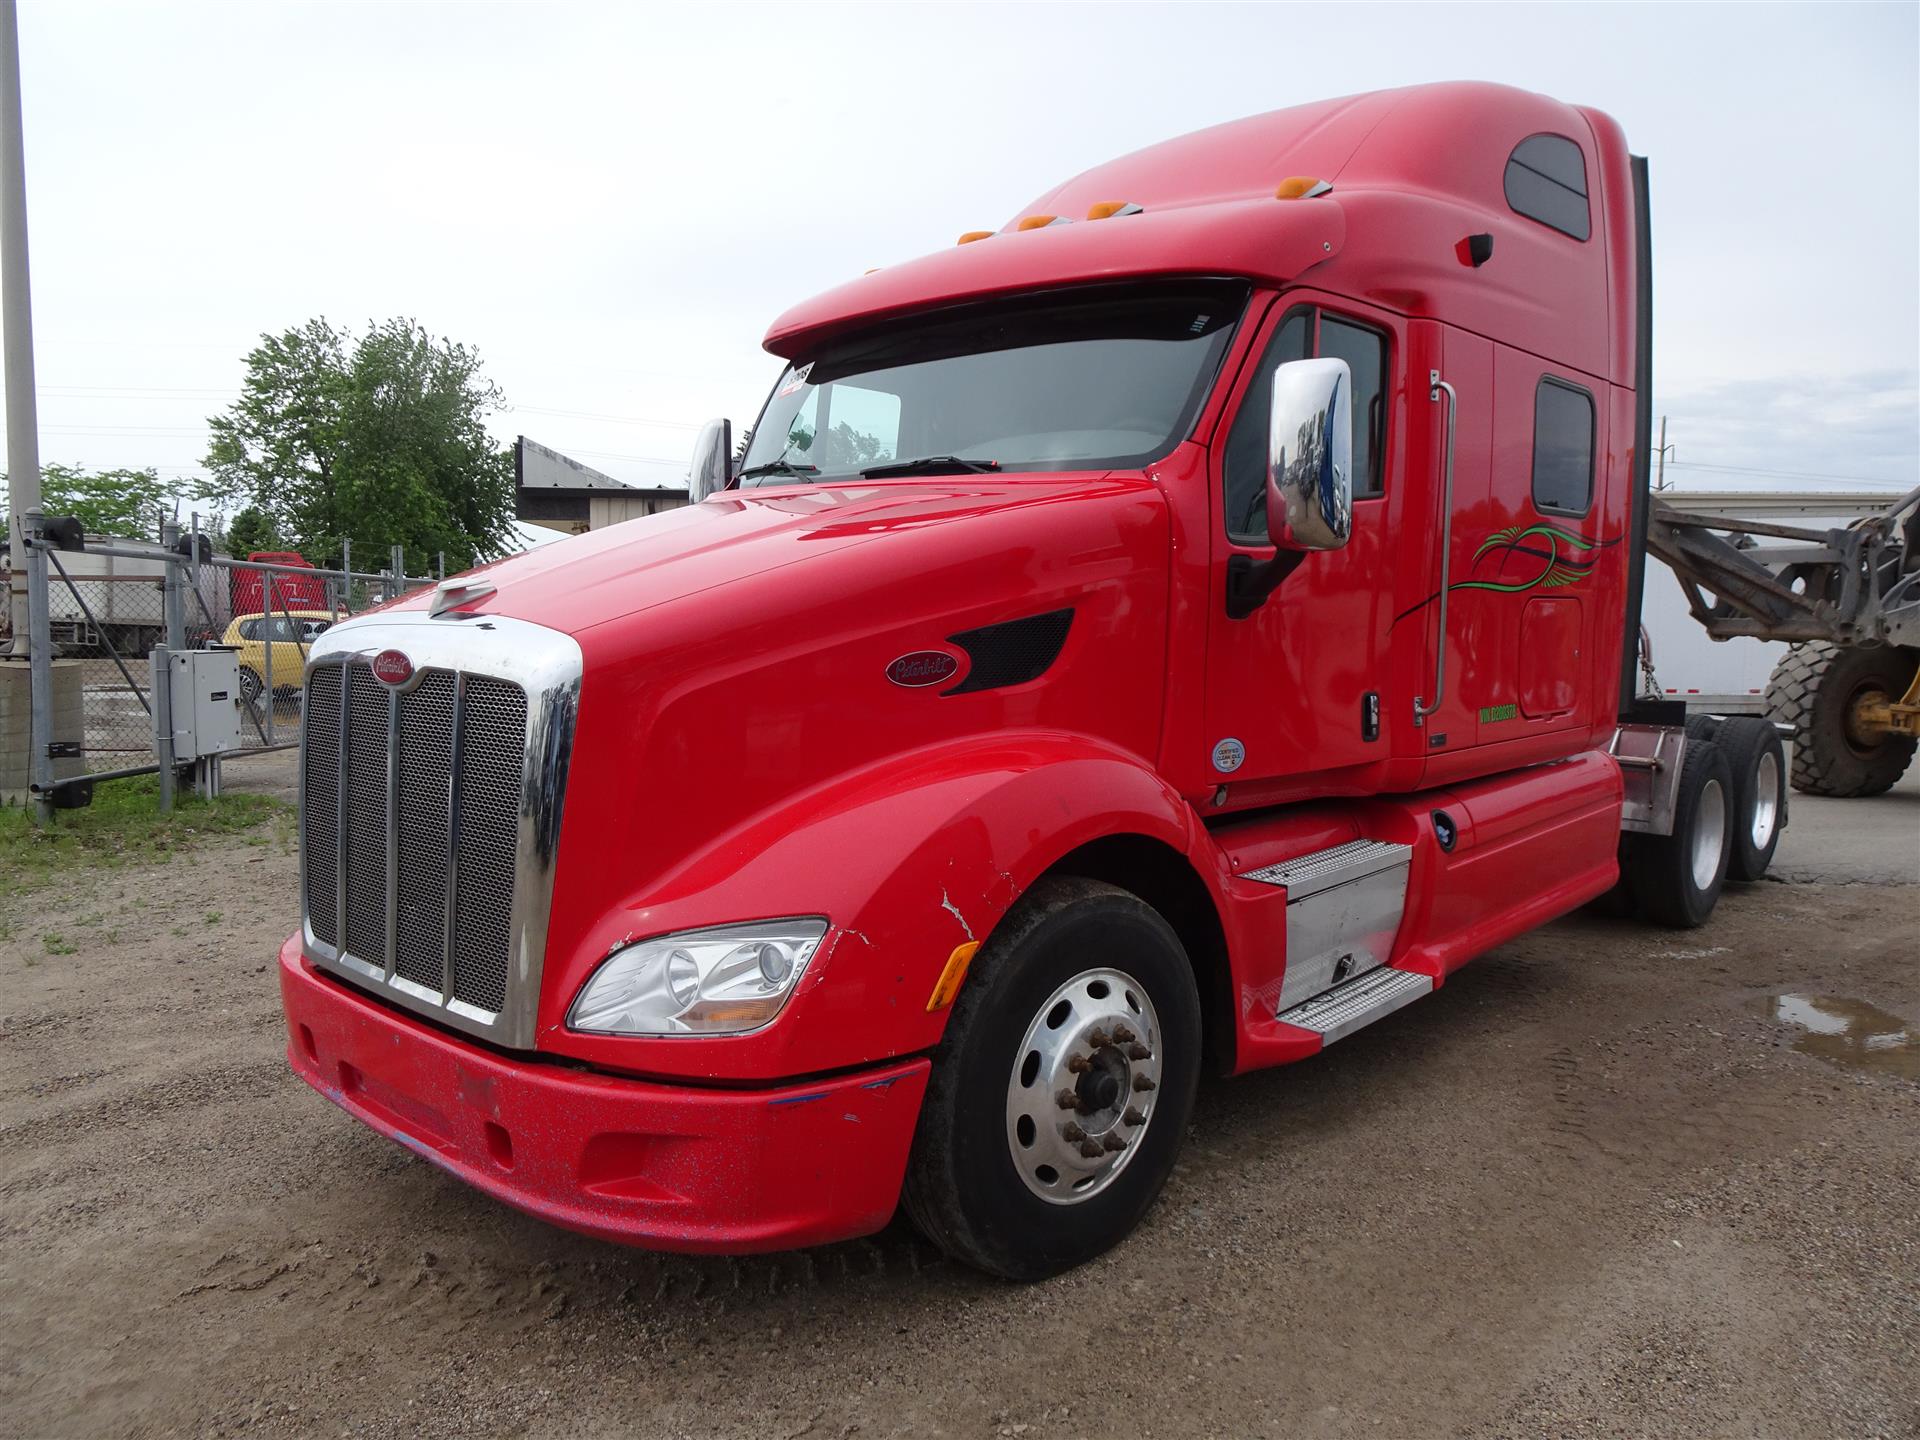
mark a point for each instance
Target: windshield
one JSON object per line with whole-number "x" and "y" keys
{"x": 1084, "y": 381}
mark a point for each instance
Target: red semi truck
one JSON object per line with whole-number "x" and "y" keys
{"x": 1166, "y": 634}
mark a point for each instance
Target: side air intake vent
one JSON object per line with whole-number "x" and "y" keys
{"x": 1012, "y": 652}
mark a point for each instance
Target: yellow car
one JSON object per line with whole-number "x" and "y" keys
{"x": 290, "y": 634}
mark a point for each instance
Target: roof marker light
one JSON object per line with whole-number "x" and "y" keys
{"x": 1041, "y": 222}
{"x": 1109, "y": 208}
{"x": 1301, "y": 187}
{"x": 973, "y": 235}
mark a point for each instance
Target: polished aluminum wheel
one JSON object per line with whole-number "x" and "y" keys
{"x": 1766, "y": 799}
{"x": 1709, "y": 834}
{"x": 1084, "y": 1085}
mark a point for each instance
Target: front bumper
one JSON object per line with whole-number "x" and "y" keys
{"x": 670, "y": 1167}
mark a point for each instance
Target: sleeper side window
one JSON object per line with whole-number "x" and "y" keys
{"x": 1562, "y": 448}
{"x": 1547, "y": 181}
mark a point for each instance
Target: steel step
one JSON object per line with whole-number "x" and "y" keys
{"x": 1337, "y": 1013}
{"x": 1309, "y": 874}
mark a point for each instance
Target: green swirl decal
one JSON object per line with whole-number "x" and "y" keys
{"x": 1565, "y": 559}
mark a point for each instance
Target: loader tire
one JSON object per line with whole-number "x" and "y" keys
{"x": 1815, "y": 690}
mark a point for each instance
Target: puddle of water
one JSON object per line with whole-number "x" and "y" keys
{"x": 1849, "y": 1033}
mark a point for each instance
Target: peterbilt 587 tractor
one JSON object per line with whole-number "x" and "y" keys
{"x": 1166, "y": 634}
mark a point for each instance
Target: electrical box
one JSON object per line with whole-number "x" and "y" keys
{"x": 205, "y": 692}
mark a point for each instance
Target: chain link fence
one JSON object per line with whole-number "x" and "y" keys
{"x": 104, "y": 607}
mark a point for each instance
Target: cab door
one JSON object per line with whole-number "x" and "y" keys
{"x": 1295, "y": 695}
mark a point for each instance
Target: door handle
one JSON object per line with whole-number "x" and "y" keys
{"x": 1423, "y": 708}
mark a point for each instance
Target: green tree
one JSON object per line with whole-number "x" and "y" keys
{"x": 379, "y": 437}
{"x": 251, "y": 531}
{"x": 127, "y": 503}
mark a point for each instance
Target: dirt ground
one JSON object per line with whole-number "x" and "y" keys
{"x": 1602, "y": 1183}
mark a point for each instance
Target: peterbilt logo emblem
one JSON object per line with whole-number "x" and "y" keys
{"x": 392, "y": 668}
{"x": 922, "y": 668}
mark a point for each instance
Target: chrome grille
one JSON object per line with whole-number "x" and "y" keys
{"x": 365, "y": 861}
{"x": 411, "y": 831}
{"x": 426, "y": 767}
{"x": 493, "y": 747}
{"x": 320, "y": 815}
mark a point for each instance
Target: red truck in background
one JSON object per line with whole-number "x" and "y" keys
{"x": 1168, "y": 633}
{"x": 289, "y": 592}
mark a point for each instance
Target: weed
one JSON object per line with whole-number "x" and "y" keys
{"x": 124, "y": 826}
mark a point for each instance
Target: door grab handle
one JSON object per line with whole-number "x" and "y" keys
{"x": 1423, "y": 708}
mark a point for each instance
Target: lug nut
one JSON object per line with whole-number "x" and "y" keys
{"x": 1091, "y": 1149}
{"x": 1135, "y": 1115}
{"x": 1138, "y": 1051}
{"x": 1142, "y": 1082}
{"x": 1072, "y": 1131}
{"x": 1067, "y": 1100}
{"x": 1121, "y": 1035}
{"x": 1078, "y": 1064}
{"x": 1098, "y": 1038}
{"x": 1113, "y": 1143}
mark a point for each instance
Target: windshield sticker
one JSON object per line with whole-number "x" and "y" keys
{"x": 795, "y": 381}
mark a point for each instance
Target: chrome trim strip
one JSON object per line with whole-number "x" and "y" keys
{"x": 456, "y": 736}
{"x": 547, "y": 664}
{"x": 393, "y": 833}
{"x": 340, "y": 813}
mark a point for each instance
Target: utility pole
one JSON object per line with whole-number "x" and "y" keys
{"x": 1660, "y": 458}
{"x": 16, "y": 299}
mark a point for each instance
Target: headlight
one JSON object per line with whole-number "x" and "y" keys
{"x": 722, "y": 981}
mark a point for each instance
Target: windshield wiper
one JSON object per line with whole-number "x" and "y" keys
{"x": 930, "y": 465}
{"x": 778, "y": 467}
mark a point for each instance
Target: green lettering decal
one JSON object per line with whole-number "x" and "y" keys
{"x": 1490, "y": 714}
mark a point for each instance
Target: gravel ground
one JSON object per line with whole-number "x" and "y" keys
{"x": 1594, "y": 1186}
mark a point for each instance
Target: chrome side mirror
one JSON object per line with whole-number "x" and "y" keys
{"x": 1310, "y": 456}
{"x": 712, "y": 460}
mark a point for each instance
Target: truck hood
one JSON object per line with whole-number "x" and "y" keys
{"x": 576, "y": 584}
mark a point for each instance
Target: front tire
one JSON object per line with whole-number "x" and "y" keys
{"x": 1062, "y": 1087}
{"x": 249, "y": 686}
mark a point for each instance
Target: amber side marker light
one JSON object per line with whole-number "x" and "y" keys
{"x": 948, "y": 985}
{"x": 1107, "y": 209}
{"x": 973, "y": 235}
{"x": 1301, "y": 187}
{"x": 1041, "y": 222}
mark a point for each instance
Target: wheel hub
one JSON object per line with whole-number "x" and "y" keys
{"x": 1709, "y": 834}
{"x": 1083, "y": 1087}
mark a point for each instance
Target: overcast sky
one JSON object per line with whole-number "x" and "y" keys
{"x": 613, "y": 202}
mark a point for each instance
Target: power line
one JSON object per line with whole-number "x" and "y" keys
{"x": 1785, "y": 474}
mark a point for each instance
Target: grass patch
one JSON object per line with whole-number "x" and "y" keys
{"x": 124, "y": 826}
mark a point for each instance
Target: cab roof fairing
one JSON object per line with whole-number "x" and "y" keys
{"x": 1258, "y": 240}
{"x": 1414, "y": 171}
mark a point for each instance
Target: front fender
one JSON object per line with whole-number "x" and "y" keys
{"x": 908, "y": 859}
